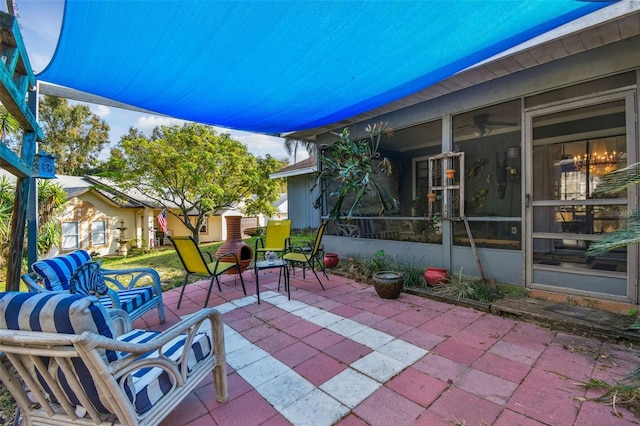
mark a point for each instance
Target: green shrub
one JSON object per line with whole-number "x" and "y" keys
{"x": 413, "y": 274}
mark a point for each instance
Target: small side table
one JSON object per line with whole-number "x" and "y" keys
{"x": 265, "y": 264}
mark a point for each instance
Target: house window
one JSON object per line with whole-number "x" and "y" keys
{"x": 490, "y": 139}
{"x": 98, "y": 233}
{"x": 70, "y": 236}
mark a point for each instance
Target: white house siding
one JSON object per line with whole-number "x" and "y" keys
{"x": 301, "y": 199}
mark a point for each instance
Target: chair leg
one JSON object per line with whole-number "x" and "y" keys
{"x": 320, "y": 260}
{"x": 206, "y": 301}
{"x": 317, "y": 277}
{"x": 184, "y": 284}
{"x": 279, "y": 277}
{"x": 241, "y": 279}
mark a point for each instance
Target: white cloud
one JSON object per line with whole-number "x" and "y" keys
{"x": 101, "y": 110}
{"x": 147, "y": 123}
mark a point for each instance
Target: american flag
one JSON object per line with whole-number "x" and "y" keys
{"x": 162, "y": 221}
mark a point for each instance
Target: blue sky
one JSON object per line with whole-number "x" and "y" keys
{"x": 40, "y": 22}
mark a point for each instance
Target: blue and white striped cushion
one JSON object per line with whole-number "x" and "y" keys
{"x": 151, "y": 384}
{"x": 61, "y": 313}
{"x": 56, "y": 272}
{"x": 130, "y": 299}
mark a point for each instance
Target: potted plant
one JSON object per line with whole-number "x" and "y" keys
{"x": 352, "y": 169}
{"x": 387, "y": 281}
{"x": 388, "y": 284}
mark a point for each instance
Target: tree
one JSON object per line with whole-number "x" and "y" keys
{"x": 10, "y": 129}
{"x": 113, "y": 165}
{"x": 51, "y": 198}
{"x": 291, "y": 146}
{"x": 193, "y": 171}
{"x": 72, "y": 134}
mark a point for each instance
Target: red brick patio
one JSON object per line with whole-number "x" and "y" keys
{"x": 471, "y": 367}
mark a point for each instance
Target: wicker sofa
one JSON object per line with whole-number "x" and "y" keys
{"x": 79, "y": 367}
{"x": 125, "y": 293}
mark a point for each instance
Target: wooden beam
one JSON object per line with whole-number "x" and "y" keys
{"x": 16, "y": 76}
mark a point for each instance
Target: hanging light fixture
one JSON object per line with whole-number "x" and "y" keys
{"x": 599, "y": 162}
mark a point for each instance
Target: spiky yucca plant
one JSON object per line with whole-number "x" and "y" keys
{"x": 351, "y": 169}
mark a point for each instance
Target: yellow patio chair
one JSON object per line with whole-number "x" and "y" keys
{"x": 277, "y": 238}
{"x": 307, "y": 256}
{"x": 195, "y": 264}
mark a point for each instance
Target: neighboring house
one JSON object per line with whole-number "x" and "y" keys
{"x": 300, "y": 180}
{"x": 538, "y": 125}
{"x": 102, "y": 219}
{"x": 282, "y": 209}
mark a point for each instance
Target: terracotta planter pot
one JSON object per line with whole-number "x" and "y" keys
{"x": 331, "y": 260}
{"x": 388, "y": 284}
{"x": 435, "y": 276}
{"x": 431, "y": 196}
{"x": 450, "y": 173}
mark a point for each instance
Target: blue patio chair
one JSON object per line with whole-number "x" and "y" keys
{"x": 126, "y": 289}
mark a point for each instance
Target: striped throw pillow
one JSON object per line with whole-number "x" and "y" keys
{"x": 56, "y": 272}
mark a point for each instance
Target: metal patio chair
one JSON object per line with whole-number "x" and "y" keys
{"x": 195, "y": 263}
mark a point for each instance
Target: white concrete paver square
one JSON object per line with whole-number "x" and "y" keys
{"x": 285, "y": 389}
{"x": 308, "y": 312}
{"x": 225, "y": 307}
{"x": 245, "y": 355}
{"x": 245, "y": 301}
{"x": 325, "y": 319}
{"x": 315, "y": 409}
{"x": 350, "y": 387}
{"x": 379, "y": 366}
{"x": 233, "y": 340}
{"x": 291, "y": 305}
{"x": 346, "y": 327}
{"x": 262, "y": 371}
{"x": 273, "y": 297}
{"x": 403, "y": 351}
{"x": 371, "y": 338}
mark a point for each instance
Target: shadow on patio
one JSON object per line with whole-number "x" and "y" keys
{"x": 345, "y": 356}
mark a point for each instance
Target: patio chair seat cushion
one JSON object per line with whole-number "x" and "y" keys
{"x": 130, "y": 299}
{"x": 221, "y": 267}
{"x": 150, "y": 384}
{"x": 296, "y": 257}
{"x": 66, "y": 314}
{"x": 56, "y": 272}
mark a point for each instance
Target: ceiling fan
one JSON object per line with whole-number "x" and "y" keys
{"x": 483, "y": 125}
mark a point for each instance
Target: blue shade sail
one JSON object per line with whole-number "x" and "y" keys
{"x": 278, "y": 66}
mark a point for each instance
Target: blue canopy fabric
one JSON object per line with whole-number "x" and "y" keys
{"x": 278, "y": 66}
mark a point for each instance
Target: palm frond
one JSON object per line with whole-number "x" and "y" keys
{"x": 620, "y": 238}
{"x": 619, "y": 179}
